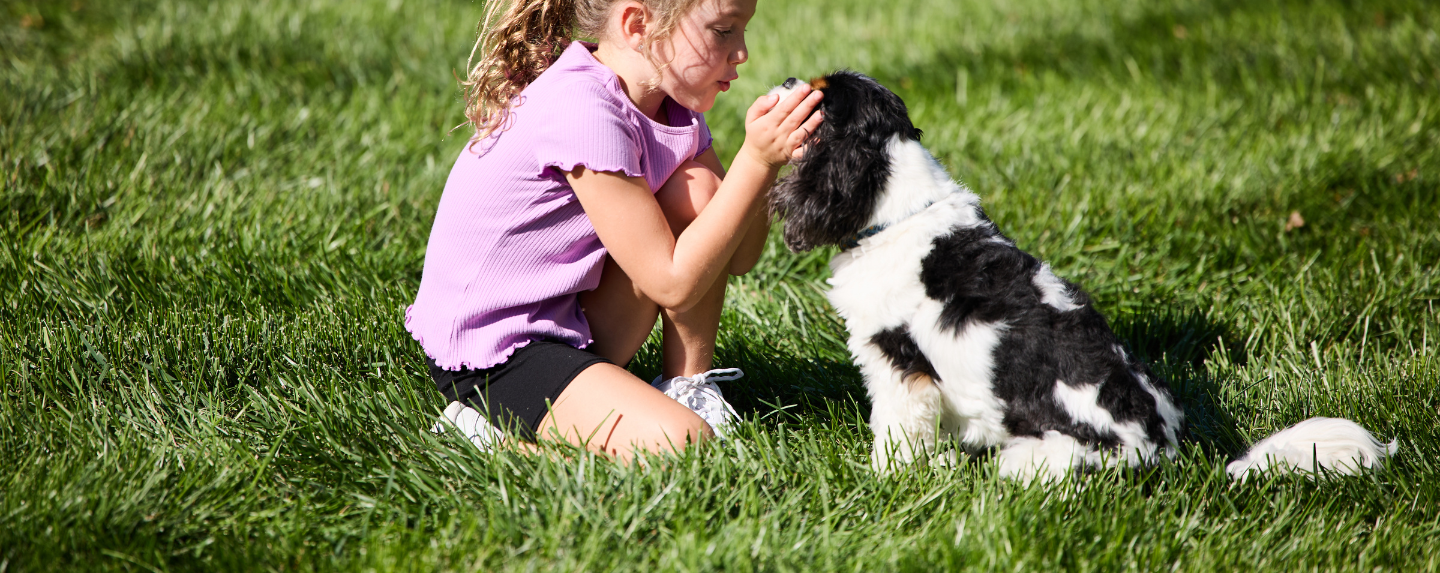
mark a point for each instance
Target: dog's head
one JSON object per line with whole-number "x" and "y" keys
{"x": 835, "y": 187}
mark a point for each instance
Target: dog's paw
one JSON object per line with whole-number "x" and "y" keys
{"x": 1049, "y": 459}
{"x": 949, "y": 459}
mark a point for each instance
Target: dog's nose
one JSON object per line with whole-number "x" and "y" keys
{"x": 789, "y": 83}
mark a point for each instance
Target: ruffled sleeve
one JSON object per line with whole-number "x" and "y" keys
{"x": 587, "y": 126}
{"x": 706, "y": 141}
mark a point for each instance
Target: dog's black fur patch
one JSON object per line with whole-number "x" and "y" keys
{"x": 834, "y": 187}
{"x": 904, "y": 354}
{"x": 978, "y": 278}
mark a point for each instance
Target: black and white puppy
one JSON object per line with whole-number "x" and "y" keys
{"x": 961, "y": 336}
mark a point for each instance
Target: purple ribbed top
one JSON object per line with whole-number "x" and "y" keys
{"x": 511, "y": 248}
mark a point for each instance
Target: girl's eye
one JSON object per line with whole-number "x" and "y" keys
{"x": 723, "y": 32}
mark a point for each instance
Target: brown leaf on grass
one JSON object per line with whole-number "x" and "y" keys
{"x": 1407, "y": 176}
{"x": 1295, "y": 222}
{"x": 1180, "y": 32}
{"x": 32, "y": 21}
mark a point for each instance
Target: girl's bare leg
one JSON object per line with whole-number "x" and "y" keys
{"x": 606, "y": 408}
{"x": 621, "y": 316}
{"x": 688, "y": 342}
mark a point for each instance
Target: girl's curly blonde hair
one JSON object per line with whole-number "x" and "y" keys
{"x": 518, "y": 39}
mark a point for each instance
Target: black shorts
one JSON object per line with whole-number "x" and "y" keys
{"x": 516, "y": 394}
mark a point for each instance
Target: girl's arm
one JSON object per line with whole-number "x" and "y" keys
{"x": 676, "y": 272}
{"x": 748, "y": 253}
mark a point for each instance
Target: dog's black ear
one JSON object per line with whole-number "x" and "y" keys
{"x": 835, "y": 187}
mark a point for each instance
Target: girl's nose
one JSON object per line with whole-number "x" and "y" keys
{"x": 740, "y": 56}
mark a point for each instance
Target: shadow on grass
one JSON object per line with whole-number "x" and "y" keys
{"x": 1173, "y": 336}
{"x": 776, "y": 379}
{"x": 1176, "y": 343}
{"x": 801, "y": 387}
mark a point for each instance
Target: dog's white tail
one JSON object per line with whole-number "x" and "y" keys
{"x": 1336, "y": 444}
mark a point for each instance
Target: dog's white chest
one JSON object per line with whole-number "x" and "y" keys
{"x": 876, "y": 289}
{"x": 879, "y": 287}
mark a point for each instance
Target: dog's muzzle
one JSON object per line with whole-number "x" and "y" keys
{"x": 787, "y": 87}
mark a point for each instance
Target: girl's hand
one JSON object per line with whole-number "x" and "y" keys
{"x": 775, "y": 129}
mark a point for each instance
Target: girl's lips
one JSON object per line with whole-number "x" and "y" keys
{"x": 724, "y": 86}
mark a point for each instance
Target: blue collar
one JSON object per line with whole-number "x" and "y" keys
{"x": 854, "y": 240}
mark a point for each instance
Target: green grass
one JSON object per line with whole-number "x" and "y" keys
{"x": 213, "y": 214}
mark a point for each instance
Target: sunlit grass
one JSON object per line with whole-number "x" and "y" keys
{"x": 213, "y": 214}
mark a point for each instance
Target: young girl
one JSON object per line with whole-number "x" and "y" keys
{"x": 589, "y": 202}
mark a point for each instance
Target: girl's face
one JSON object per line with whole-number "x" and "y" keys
{"x": 707, "y": 46}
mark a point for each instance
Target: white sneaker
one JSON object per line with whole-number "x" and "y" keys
{"x": 470, "y": 424}
{"x": 699, "y": 393}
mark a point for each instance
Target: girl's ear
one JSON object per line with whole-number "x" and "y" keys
{"x": 634, "y": 19}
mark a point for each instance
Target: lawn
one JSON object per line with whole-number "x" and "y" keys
{"x": 212, "y": 215}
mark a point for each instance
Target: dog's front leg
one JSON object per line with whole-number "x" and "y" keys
{"x": 905, "y": 416}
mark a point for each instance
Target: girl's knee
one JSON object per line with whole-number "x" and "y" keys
{"x": 686, "y": 193}
{"x": 680, "y": 427}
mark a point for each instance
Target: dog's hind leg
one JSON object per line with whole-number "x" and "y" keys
{"x": 905, "y": 416}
